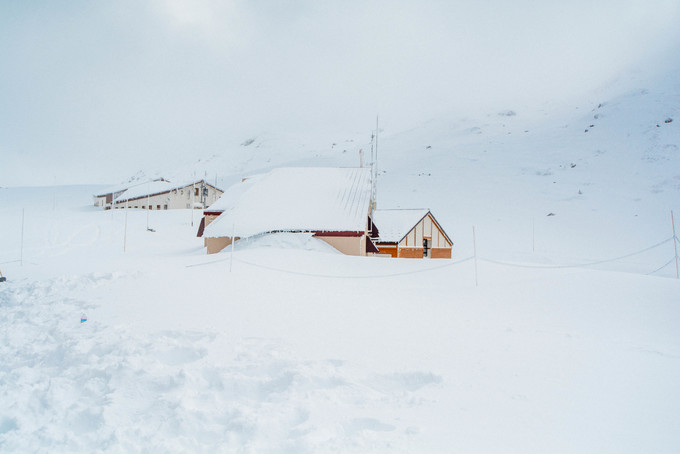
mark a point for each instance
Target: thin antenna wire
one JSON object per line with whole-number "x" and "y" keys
{"x": 375, "y": 184}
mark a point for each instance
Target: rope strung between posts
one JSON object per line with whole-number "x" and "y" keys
{"x": 335, "y": 276}
{"x": 662, "y": 267}
{"x": 579, "y": 265}
{"x": 496, "y": 262}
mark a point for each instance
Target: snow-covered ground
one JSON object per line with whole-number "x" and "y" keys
{"x": 561, "y": 337}
{"x": 291, "y": 347}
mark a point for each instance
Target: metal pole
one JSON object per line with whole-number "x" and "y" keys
{"x": 23, "y": 212}
{"x": 375, "y": 187}
{"x": 675, "y": 246}
{"x": 474, "y": 246}
{"x": 148, "y": 207}
{"x": 125, "y": 229}
{"x": 233, "y": 240}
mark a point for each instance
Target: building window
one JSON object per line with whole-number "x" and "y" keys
{"x": 165, "y": 207}
{"x": 426, "y": 247}
{"x": 158, "y": 207}
{"x": 196, "y": 192}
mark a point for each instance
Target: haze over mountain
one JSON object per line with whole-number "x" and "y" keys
{"x": 95, "y": 93}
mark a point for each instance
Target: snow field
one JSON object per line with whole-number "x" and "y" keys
{"x": 180, "y": 354}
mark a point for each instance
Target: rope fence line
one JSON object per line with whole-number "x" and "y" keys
{"x": 11, "y": 261}
{"x": 362, "y": 276}
{"x": 578, "y": 265}
{"x": 662, "y": 267}
{"x": 458, "y": 262}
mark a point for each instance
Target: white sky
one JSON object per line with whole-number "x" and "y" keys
{"x": 82, "y": 83}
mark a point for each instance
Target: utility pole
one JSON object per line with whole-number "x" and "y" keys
{"x": 148, "y": 207}
{"x": 233, "y": 241}
{"x": 474, "y": 248}
{"x": 23, "y": 212}
{"x": 675, "y": 246}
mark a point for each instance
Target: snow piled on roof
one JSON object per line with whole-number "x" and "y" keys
{"x": 234, "y": 193}
{"x": 298, "y": 199}
{"x": 117, "y": 188}
{"x": 393, "y": 225}
{"x": 152, "y": 188}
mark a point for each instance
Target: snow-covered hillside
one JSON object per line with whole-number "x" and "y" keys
{"x": 561, "y": 337}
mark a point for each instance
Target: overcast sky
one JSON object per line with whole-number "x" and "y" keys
{"x": 86, "y": 82}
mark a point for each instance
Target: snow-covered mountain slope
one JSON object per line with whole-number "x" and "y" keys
{"x": 561, "y": 337}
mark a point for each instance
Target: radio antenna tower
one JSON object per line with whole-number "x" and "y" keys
{"x": 374, "y": 167}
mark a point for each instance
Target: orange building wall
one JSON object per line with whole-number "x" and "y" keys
{"x": 441, "y": 253}
{"x": 209, "y": 218}
{"x": 388, "y": 249}
{"x": 349, "y": 245}
{"x": 411, "y": 253}
{"x": 215, "y": 245}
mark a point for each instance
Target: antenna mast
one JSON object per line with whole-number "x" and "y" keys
{"x": 374, "y": 176}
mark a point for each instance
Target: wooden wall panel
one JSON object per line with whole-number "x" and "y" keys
{"x": 215, "y": 245}
{"x": 349, "y": 245}
{"x": 441, "y": 253}
{"x": 411, "y": 253}
{"x": 388, "y": 249}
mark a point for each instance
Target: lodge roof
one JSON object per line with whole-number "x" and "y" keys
{"x": 320, "y": 199}
{"x": 232, "y": 194}
{"x": 152, "y": 188}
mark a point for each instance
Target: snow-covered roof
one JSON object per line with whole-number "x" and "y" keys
{"x": 152, "y": 188}
{"x": 298, "y": 199}
{"x": 117, "y": 188}
{"x": 394, "y": 225}
{"x": 233, "y": 193}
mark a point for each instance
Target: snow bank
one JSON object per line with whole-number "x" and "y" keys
{"x": 299, "y": 350}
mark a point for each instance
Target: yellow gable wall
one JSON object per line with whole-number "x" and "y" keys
{"x": 426, "y": 228}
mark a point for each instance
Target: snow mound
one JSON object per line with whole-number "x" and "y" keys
{"x": 286, "y": 240}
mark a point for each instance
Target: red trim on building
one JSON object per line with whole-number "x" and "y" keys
{"x": 340, "y": 233}
{"x": 201, "y": 227}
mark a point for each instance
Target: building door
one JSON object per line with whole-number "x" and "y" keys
{"x": 426, "y": 248}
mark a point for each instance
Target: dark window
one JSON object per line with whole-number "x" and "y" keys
{"x": 426, "y": 247}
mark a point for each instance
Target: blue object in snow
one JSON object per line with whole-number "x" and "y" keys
{"x": 83, "y": 318}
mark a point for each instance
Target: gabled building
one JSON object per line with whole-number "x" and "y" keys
{"x": 164, "y": 195}
{"x": 411, "y": 233}
{"x": 331, "y": 203}
{"x": 108, "y": 195}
